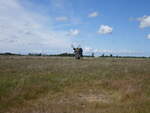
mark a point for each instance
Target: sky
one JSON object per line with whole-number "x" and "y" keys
{"x": 118, "y": 27}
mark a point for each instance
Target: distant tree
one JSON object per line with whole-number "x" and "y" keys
{"x": 8, "y": 53}
{"x": 35, "y": 54}
{"x": 111, "y": 55}
{"x": 66, "y": 54}
{"x": 92, "y": 54}
{"x": 103, "y": 55}
{"x": 117, "y": 56}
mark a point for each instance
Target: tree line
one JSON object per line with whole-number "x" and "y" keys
{"x": 70, "y": 55}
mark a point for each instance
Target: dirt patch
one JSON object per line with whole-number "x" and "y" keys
{"x": 100, "y": 98}
{"x": 95, "y": 98}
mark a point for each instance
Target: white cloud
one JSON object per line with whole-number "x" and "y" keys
{"x": 22, "y": 30}
{"x": 105, "y": 29}
{"x": 144, "y": 21}
{"x": 88, "y": 49}
{"x": 93, "y": 14}
{"x": 148, "y": 36}
{"x": 62, "y": 19}
{"x": 109, "y": 51}
{"x": 74, "y": 32}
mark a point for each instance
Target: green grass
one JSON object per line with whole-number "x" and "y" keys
{"x": 65, "y": 85}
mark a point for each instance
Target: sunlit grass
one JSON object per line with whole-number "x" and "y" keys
{"x": 66, "y": 85}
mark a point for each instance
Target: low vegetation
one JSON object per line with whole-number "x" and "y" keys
{"x": 42, "y": 84}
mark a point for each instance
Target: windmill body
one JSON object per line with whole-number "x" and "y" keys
{"x": 78, "y": 52}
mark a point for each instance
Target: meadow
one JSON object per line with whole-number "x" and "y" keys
{"x": 30, "y": 84}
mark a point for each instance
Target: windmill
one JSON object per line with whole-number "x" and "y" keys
{"x": 78, "y": 51}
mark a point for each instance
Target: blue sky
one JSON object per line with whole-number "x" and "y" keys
{"x": 120, "y": 27}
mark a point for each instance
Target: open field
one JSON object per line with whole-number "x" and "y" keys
{"x": 64, "y": 85}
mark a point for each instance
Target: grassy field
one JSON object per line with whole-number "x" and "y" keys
{"x": 65, "y": 85}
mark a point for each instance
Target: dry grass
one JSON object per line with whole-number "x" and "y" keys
{"x": 65, "y": 85}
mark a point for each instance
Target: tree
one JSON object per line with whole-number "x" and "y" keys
{"x": 103, "y": 55}
{"x": 92, "y": 54}
{"x": 111, "y": 55}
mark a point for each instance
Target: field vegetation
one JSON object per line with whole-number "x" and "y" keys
{"x": 43, "y": 84}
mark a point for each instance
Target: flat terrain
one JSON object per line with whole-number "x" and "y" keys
{"x": 65, "y": 85}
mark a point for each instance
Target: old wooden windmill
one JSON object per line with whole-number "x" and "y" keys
{"x": 78, "y": 51}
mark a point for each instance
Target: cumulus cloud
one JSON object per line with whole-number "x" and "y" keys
{"x": 74, "y": 32}
{"x": 88, "y": 49}
{"x": 22, "y": 30}
{"x": 144, "y": 21}
{"x": 108, "y": 51}
{"x": 62, "y": 19}
{"x": 105, "y": 29}
{"x": 93, "y": 14}
{"x": 148, "y": 36}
